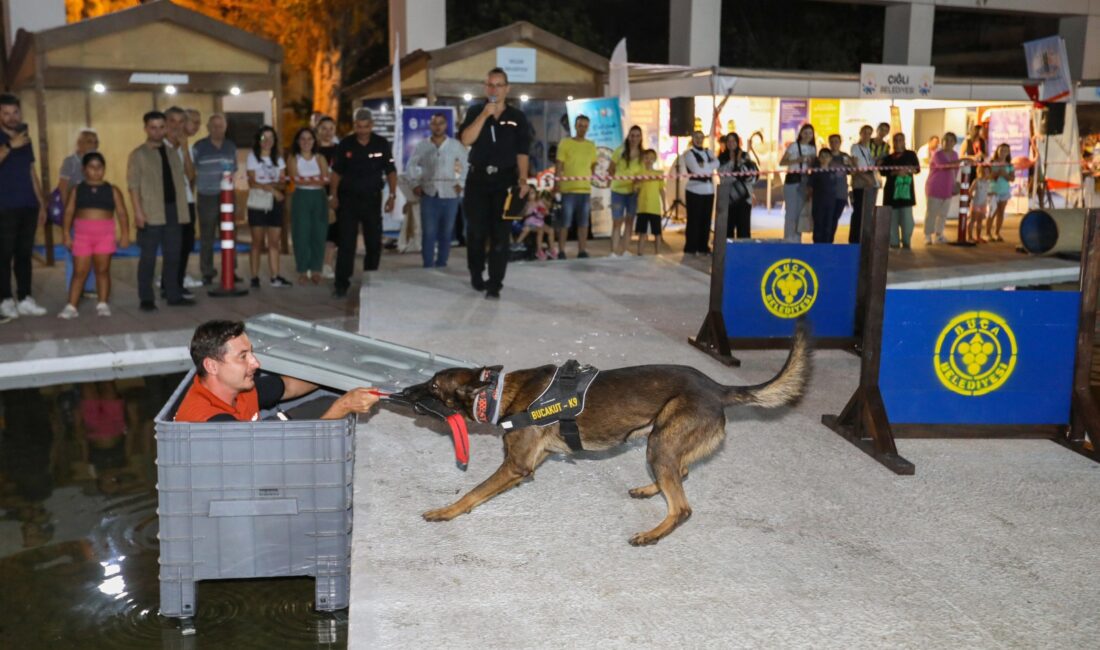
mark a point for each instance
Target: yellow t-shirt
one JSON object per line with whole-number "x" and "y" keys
{"x": 622, "y": 168}
{"x": 649, "y": 193}
{"x": 577, "y": 159}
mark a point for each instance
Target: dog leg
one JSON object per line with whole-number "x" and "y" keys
{"x": 524, "y": 450}
{"x": 668, "y": 481}
{"x": 652, "y": 489}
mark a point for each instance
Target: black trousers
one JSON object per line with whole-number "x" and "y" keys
{"x": 187, "y": 243}
{"x": 17, "y": 228}
{"x": 858, "y": 195}
{"x": 697, "y": 234}
{"x": 483, "y": 205}
{"x": 167, "y": 239}
{"x": 739, "y": 221}
{"x": 355, "y": 212}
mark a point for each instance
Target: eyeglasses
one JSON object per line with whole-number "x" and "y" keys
{"x": 489, "y": 85}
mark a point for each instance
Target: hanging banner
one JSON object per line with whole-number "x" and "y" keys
{"x": 825, "y": 116}
{"x": 896, "y": 81}
{"x": 1047, "y": 60}
{"x": 414, "y": 125}
{"x": 1012, "y": 126}
{"x": 518, "y": 62}
{"x": 793, "y": 113}
{"x": 605, "y": 128}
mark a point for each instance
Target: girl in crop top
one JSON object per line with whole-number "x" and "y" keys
{"x": 309, "y": 206}
{"x": 89, "y": 233}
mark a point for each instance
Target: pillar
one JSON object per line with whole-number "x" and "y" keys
{"x": 907, "y": 34}
{"x": 421, "y": 23}
{"x": 693, "y": 32}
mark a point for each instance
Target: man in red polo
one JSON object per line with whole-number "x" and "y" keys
{"x": 228, "y": 386}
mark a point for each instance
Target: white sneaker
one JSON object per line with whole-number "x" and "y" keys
{"x": 627, "y": 254}
{"x": 928, "y": 240}
{"x": 327, "y": 272}
{"x": 190, "y": 283}
{"x": 103, "y": 309}
{"x": 28, "y": 307}
{"x": 613, "y": 255}
{"x": 940, "y": 239}
{"x": 68, "y": 313}
{"x": 8, "y": 309}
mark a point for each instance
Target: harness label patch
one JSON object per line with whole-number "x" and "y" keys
{"x": 789, "y": 288}
{"x": 975, "y": 353}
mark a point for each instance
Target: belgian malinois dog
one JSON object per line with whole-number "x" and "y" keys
{"x": 678, "y": 408}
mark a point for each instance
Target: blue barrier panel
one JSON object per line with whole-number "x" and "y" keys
{"x": 769, "y": 285}
{"x": 978, "y": 357}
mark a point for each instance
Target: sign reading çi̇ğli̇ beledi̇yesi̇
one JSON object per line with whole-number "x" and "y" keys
{"x": 896, "y": 81}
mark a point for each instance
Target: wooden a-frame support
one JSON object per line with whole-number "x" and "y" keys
{"x": 864, "y": 421}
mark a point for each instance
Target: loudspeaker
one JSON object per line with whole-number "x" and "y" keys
{"x": 681, "y": 116}
{"x": 1055, "y": 119}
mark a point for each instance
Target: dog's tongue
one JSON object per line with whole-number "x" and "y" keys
{"x": 461, "y": 440}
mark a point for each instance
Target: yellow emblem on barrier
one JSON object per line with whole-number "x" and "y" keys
{"x": 975, "y": 353}
{"x": 789, "y": 288}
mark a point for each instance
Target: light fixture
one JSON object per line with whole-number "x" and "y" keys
{"x": 524, "y": 98}
{"x": 169, "y": 90}
{"x": 569, "y": 98}
{"x": 99, "y": 88}
{"x": 235, "y": 90}
{"x": 467, "y": 96}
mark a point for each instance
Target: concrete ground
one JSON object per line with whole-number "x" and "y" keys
{"x": 797, "y": 538}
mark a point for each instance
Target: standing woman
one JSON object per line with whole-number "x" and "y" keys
{"x": 899, "y": 193}
{"x": 89, "y": 232}
{"x": 265, "y": 204}
{"x": 798, "y": 159}
{"x": 699, "y": 195}
{"x": 326, "y": 146}
{"x": 309, "y": 209}
{"x": 1002, "y": 174}
{"x": 735, "y": 192}
{"x": 625, "y": 161}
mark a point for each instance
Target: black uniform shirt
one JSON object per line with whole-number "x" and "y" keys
{"x": 500, "y": 140}
{"x": 363, "y": 168}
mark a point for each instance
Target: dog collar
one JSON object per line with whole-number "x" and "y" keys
{"x": 486, "y": 402}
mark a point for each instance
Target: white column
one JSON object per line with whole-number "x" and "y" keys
{"x": 422, "y": 24}
{"x": 907, "y": 34}
{"x": 1082, "y": 34}
{"x": 693, "y": 32}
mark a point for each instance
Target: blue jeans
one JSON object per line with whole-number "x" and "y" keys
{"x": 574, "y": 208}
{"x": 437, "y": 225}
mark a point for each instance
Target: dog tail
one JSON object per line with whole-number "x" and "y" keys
{"x": 785, "y": 387}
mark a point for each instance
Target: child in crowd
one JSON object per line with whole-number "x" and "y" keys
{"x": 651, "y": 202}
{"x": 89, "y": 233}
{"x": 537, "y": 211}
{"x": 823, "y": 185}
{"x": 979, "y": 205}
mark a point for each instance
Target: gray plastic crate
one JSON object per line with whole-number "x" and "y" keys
{"x": 251, "y": 500}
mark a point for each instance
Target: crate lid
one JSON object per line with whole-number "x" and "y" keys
{"x": 337, "y": 359}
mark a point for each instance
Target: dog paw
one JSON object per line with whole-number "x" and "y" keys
{"x": 644, "y": 539}
{"x": 644, "y": 492}
{"x": 440, "y": 514}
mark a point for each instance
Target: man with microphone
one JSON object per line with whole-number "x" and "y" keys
{"x": 499, "y": 138}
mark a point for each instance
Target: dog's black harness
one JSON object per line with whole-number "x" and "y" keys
{"x": 561, "y": 402}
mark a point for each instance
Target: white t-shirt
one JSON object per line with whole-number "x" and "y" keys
{"x": 265, "y": 171}
{"x": 796, "y": 150}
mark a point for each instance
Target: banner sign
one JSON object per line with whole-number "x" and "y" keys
{"x": 978, "y": 357}
{"x": 793, "y": 113}
{"x": 825, "y": 116}
{"x": 414, "y": 125}
{"x": 1012, "y": 126}
{"x": 896, "y": 81}
{"x": 768, "y": 286}
{"x": 1047, "y": 60}
{"x": 518, "y": 62}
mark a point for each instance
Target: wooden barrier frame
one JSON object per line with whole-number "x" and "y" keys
{"x": 864, "y": 421}
{"x": 715, "y": 341}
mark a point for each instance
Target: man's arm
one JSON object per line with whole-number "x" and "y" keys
{"x": 470, "y": 132}
{"x": 358, "y": 400}
{"x": 522, "y": 162}
{"x": 38, "y": 193}
{"x": 293, "y": 387}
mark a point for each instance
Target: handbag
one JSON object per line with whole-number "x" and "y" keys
{"x": 261, "y": 200}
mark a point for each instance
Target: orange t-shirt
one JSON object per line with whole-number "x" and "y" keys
{"x": 201, "y": 405}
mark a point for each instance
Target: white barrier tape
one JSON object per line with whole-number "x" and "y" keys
{"x": 228, "y": 226}
{"x": 228, "y": 208}
{"x": 228, "y": 244}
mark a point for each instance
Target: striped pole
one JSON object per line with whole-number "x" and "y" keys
{"x": 964, "y": 204}
{"x": 228, "y": 240}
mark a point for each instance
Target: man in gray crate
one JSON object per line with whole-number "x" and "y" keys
{"x": 229, "y": 387}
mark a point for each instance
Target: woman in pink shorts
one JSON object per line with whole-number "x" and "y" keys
{"x": 89, "y": 232}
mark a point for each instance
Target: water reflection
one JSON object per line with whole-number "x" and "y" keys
{"x": 78, "y": 535}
